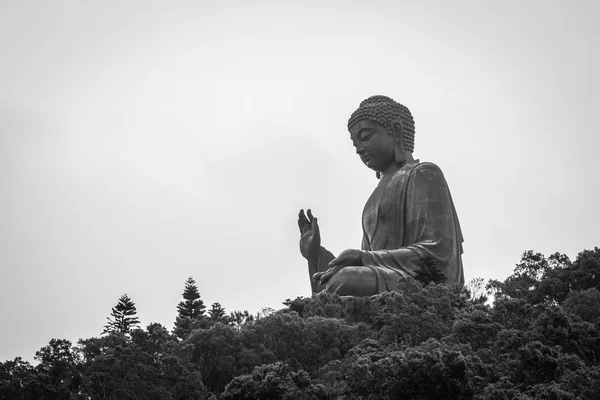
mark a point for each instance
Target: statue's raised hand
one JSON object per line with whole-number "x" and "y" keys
{"x": 310, "y": 236}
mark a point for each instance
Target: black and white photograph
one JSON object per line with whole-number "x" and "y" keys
{"x": 333, "y": 200}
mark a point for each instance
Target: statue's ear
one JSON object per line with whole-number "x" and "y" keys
{"x": 398, "y": 131}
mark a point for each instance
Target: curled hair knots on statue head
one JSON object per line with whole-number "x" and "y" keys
{"x": 384, "y": 110}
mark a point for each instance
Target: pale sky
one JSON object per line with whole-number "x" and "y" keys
{"x": 143, "y": 142}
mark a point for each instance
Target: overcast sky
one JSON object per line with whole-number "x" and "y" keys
{"x": 143, "y": 142}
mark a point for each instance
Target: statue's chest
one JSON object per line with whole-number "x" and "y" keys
{"x": 377, "y": 217}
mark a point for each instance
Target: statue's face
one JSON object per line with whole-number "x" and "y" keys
{"x": 373, "y": 144}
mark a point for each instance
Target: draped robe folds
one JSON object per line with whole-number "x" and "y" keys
{"x": 409, "y": 218}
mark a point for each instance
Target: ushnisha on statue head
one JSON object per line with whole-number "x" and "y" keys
{"x": 383, "y": 132}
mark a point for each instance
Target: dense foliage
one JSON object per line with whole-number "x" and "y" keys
{"x": 539, "y": 339}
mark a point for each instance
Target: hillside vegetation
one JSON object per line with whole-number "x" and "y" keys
{"x": 538, "y": 339}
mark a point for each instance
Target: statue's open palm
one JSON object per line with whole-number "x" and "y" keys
{"x": 310, "y": 236}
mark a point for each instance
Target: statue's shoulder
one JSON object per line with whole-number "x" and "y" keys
{"x": 417, "y": 171}
{"x": 427, "y": 168}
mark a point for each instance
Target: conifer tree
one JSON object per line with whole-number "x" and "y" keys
{"x": 429, "y": 272}
{"x": 192, "y": 306}
{"x": 216, "y": 312}
{"x": 189, "y": 310}
{"x": 123, "y": 316}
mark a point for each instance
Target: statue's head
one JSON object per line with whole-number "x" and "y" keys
{"x": 384, "y": 111}
{"x": 382, "y": 131}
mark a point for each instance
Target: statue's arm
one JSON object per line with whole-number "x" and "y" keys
{"x": 320, "y": 263}
{"x": 318, "y": 257}
{"x": 430, "y": 227}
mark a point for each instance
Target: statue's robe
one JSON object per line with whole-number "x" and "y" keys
{"x": 408, "y": 221}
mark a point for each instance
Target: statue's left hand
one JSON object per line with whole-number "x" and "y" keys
{"x": 347, "y": 258}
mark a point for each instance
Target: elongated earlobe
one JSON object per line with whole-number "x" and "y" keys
{"x": 398, "y": 132}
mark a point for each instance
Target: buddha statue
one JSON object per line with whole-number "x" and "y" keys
{"x": 409, "y": 222}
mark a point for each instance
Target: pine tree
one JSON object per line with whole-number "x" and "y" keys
{"x": 429, "y": 272}
{"x": 123, "y": 316}
{"x": 217, "y": 312}
{"x": 190, "y": 310}
{"x": 192, "y": 306}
